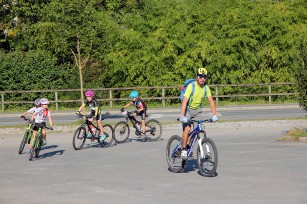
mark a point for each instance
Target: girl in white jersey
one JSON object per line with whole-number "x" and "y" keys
{"x": 40, "y": 116}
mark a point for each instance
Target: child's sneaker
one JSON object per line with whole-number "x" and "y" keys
{"x": 143, "y": 137}
{"x": 102, "y": 137}
{"x": 88, "y": 135}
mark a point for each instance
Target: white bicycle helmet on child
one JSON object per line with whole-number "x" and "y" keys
{"x": 37, "y": 102}
{"x": 44, "y": 101}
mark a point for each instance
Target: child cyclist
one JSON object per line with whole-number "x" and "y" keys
{"x": 31, "y": 110}
{"x": 39, "y": 117}
{"x": 141, "y": 108}
{"x": 95, "y": 112}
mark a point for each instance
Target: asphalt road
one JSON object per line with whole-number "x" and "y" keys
{"x": 228, "y": 113}
{"x": 253, "y": 168}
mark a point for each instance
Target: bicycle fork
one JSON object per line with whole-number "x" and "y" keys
{"x": 201, "y": 148}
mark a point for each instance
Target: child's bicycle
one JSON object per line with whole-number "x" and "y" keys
{"x": 207, "y": 158}
{"x": 26, "y": 138}
{"x": 87, "y": 127}
{"x": 37, "y": 143}
{"x": 153, "y": 129}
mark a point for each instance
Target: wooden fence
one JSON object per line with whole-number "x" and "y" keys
{"x": 214, "y": 87}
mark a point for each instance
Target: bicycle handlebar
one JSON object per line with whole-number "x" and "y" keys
{"x": 49, "y": 128}
{"x": 125, "y": 112}
{"x": 26, "y": 119}
{"x": 80, "y": 115}
{"x": 199, "y": 121}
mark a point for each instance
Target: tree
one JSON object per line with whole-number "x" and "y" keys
{"x": 80, "y": 64}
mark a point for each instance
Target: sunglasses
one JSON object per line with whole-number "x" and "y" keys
{"x": 202, "y": 76}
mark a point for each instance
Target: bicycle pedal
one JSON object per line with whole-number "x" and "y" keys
{"x": 190, "y": 158}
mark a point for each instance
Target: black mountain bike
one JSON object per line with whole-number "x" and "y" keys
{"x": 207, "y": 158}
{"x": 26, "y": 138}
{"x": 87, "y": 127}
{"x": 153, "y": 129}
{"x": 38, "y": 143}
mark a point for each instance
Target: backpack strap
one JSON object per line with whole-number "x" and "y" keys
{"x": 192, "y": 92}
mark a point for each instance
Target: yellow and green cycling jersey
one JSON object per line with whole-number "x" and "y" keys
{"x": 198, "y": 97}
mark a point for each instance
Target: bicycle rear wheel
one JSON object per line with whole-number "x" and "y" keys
{"x": 109, "y": 132}
{"x": 153, "y": 130}
{"x": 173, "y": 154}
{"x": 79, "y": 138}
{"x": 33, "y": 150}
{"x": 207, "y": 159}
{"x": 121, "y": 132}
{"x": 23, "y": 141}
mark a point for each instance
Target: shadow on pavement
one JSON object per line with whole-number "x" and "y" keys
{"x": 49, "y": 147}
{"x": 50, "y": 154}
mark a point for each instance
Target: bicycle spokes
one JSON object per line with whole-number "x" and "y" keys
{"x": 122, "y": 130}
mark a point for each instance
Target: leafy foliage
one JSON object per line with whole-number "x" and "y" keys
{"x": 155, "y": 42}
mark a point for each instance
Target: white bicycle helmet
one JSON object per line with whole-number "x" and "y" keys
{"x": 44, "y": 101}
{"x": 37, "y": 102}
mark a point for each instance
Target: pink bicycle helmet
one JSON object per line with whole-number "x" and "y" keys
{"x": 89, "y": 93}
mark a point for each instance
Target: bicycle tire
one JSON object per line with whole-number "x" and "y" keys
{"x": 109, "y": 132}
{"x": 173, "y": 158}
{"x": 79, "y": 136}
{"x": 23, "y": 141}
{"x": 153, "y": 130}
{"x": 207, "y": 165}
{"x": 32, "y": 152}
{"x": 121, "y": 132}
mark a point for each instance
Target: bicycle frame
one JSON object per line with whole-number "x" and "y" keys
{"x": 30, "y": 129}
{"x": 39, "y": 133}
{"x": 88, "y": 124}
{"x": 129, "y": 118}
{"x": 194, "y": 135}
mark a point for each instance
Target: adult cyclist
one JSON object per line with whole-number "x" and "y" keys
{"x": 191, "y": 105}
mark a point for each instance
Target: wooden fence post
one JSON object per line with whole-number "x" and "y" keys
{"x": 270, "y": 91}
{"x": 2, "y": 101}
{"x": 111, "y": 102}
{"x": 217, "y": 95}
{"x": 163, "y": 97}
{"x": 56, "y": 99}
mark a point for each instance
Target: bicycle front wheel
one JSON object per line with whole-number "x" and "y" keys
{"x": 39, "y": 146}
{"x": 121, "y": 132}
{"x": 79, "y": 138}
{"x": 109, "y": 132}
{"x": 33, "y": 150}
{"x": 23, "y": 141}
{"x": 207, "y": 158}
{"x": 173, "y": 154}
{"x": 153, "y": 130}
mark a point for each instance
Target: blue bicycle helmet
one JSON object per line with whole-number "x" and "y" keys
{"x": 134, "y": 94}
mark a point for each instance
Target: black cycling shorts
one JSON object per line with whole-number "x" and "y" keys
{"x": 37, "y": 125}
{"x": 142, "y": 114}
